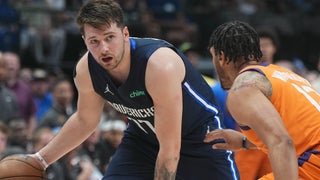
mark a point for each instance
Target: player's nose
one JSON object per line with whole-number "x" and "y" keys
{"x": 105, "y": 47}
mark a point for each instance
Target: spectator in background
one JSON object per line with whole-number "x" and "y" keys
{"x": 8, "y": 103}
{"x": 40, "y": 138}
{"x": 95, "y": 149}
{"x": 4, "y": 131}
{"x": 23, "y": 93}
{"x": 79, "y": 166}
{"x": 194, "y": 57}
{"x": 26, "y": 75}
{"x": 133, "y": 9}
{"x": 18, "y": 140}
{"x": 287, "y": 64}
{"x": 269, "y": 43}
{"x": 70, "y": 167}
{"x": 46, "y": 41}
{"x": 53, "y": 76}
{"x": 112, "y": 132}
{"x": 9, "y": 27}
{"x": 41, "y": 94}
{"x": 62, "y": 107}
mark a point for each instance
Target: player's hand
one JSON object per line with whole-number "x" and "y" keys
{"x": 232, "y": 140}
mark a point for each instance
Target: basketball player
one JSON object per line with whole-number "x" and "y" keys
{"x": 168, "y": 104}
{"x": 277, "y": 110}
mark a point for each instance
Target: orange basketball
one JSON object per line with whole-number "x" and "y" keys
{"x": 21, "y": 167}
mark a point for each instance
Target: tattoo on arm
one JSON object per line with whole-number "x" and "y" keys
{"x": 162, "y": 173}
{"x": 253, "y": 79}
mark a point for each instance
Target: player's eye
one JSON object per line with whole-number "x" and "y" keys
{"x": 93, "y": 41}
{"x": 109, "y": 38}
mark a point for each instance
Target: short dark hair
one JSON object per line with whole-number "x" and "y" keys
{"x": 267, "y": 32}
{"x": 237, "y": 40}
{"x": 98, "y": 13}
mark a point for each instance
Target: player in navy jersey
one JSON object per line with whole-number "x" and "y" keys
{"x": 169, "y": 105}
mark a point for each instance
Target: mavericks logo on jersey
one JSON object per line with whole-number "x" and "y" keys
{"x": 138, "y": 116}
{"x": 136, "y": 93}
{"x": 137, "y": 113}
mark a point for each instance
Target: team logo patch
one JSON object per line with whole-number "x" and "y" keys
{"x": 136, "y": 93}
{"x": 107, "y": 90}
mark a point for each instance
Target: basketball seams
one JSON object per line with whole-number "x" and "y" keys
{"x": 26, "y": 162}
{"x": 24, "y": 176}
{"x": 29, "y": 165}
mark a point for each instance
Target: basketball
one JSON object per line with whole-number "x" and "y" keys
{"x": 21, "y": 167}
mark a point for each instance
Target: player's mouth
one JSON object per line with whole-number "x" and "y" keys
{"x": 106, "y": 59}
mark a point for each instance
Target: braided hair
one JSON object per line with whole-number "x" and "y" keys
{"x": 237, "y": 40}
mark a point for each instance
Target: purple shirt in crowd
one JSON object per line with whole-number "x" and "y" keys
{"x": 26, "y": 104}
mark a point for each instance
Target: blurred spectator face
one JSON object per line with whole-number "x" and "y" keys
{"x": 113, "y": 137}
{"x": 268, "y": 49}
{"x": 63, "y": 93}
{"x": 26, "y": 75}
{"x": 40, "y": 85}
{"x": 13, "y": 62}
{"x": 194, "y": 57}
{"x": 18, "y": 132}
{"x": 112, "y": 131}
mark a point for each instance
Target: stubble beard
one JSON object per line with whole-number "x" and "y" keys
{"x": 119, "y": 58}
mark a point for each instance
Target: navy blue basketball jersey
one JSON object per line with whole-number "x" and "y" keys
{"x": 132, "y": 99}
{"x": 135, "y": 158}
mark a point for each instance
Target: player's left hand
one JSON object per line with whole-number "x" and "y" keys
{"x": 232, "y": 139}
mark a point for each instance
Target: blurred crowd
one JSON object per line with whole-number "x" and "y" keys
{"x": 40, "y": 44}
{"x": 34, "y": 106}
{"x": 44, "y": 32}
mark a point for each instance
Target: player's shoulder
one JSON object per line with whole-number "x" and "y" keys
{"x": 81, "y": 67}
{"x": 82, "y": 76}
{"x": 164, "y": 58}
{"x": 252, "y": 78}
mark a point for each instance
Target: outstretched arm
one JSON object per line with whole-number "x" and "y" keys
{"x": 165, "y": 69}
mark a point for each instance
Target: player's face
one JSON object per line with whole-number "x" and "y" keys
{"x": 106, "y": 44}
{"x": 221, "y": 68}
{"x": 268, "y": 49}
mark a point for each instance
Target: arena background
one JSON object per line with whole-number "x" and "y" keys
{"x": 44, "y": 32}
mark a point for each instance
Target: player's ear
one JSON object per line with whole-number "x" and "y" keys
{"x": 222, "y": 58}
{"x": 126, "y": 32}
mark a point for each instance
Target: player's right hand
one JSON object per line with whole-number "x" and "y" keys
{"x": 232, "y": 140}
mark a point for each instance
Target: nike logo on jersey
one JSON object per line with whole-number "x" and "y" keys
{"x": 107, "y": 90}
